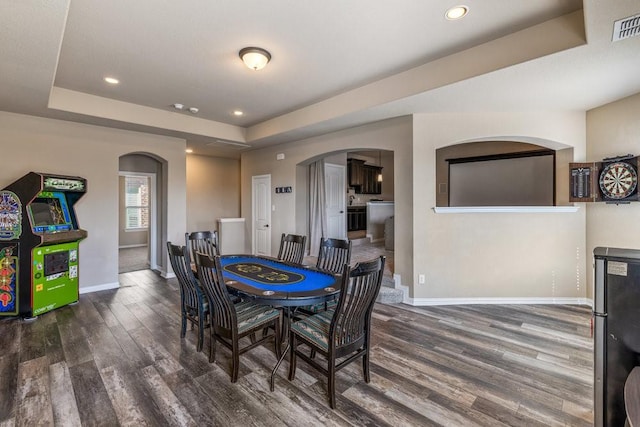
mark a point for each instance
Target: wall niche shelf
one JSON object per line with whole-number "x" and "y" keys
{"x": 505, "y": 209}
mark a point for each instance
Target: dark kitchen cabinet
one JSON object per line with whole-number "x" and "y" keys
{"x": 356, "y": 218}
{"x": 364, "y": 178}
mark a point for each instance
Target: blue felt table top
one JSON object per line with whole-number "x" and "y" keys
{"x": 299, "y": 279}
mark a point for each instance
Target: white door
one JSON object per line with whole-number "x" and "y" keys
{"x": 261, "y": 209}
{"x": 335, "y": 197}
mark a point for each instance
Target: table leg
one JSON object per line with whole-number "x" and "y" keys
{"x": 286, "y": 325}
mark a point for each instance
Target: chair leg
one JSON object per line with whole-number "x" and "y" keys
{"x": 235, "y": 360}
{"x": 365, "y": 366}
{"x": 183, "y": 328}
{"x": 292, "y": 356}
{"x": 200, "y": 331}
{"x": 212, "y": 346}
{"x": 332, "y": 381}
{"x": 278, "y": 339}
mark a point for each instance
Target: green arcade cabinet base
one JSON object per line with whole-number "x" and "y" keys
{"x": 55, "y": 276}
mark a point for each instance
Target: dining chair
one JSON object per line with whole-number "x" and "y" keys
{"x": 205, "y": 242}
{"x": 292, "y": 248}
{"x": 343, "y": 333}
{"x": 194, "y": 307}
{"x": 332, "y": 257}
{"x": 231, "y": 321}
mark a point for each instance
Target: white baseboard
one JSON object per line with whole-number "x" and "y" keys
{"x": 132, "y": 246}
{"x": 166, "y": 275}
{"x": 96, "y": 288}
{"x": 508, "y": 300}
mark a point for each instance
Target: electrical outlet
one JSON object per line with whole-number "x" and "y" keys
{"x": 421, "y": 279}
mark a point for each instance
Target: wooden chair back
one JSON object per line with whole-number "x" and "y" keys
{"x": 190, "y": 291}
{"x": 292, "y": 248}
{"x": 333, "y": 255}
{"x": 350, "y": 325}
{"x": 210, "y": 275}
{"x": 205, "y": 242}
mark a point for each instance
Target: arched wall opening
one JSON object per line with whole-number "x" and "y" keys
{"x": 340, "y": 157}
{"x": 487, "y": 154}
{"x": 154, "y": 167}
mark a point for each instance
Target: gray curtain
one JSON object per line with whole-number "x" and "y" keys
{"x": 317, "y": 206}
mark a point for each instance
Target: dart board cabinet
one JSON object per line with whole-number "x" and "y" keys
{"x": 613, "y": 180}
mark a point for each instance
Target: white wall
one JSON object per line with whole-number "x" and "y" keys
{"x": 613, "y": 130}
{"x": 92, "y": 152}
{"x": 495, "y": 255}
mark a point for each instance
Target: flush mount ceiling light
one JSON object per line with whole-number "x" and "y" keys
{"x": 255, "y": 58}
{"x": 178, "y": 106}
{"x": 238, "y": 113}
{"x": 111, "y": 80}
{"x": 456, "y": 12}
{"x": 189, "y": 150}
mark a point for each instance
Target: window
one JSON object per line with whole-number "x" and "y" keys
{"x": 136, "y": 202}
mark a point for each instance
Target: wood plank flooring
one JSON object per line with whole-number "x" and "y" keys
{"x": 116, "y": 358}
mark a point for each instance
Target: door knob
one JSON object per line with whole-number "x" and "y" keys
{"x": 266, "y": 226}
{"x": 341, "y": 211}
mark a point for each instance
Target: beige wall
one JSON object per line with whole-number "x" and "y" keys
{"x": 290, "y": 209}
{"x": 92, "y": 152}
{"x": 213, "y": 191}
{"x": 495, "y": 255}
{"x": 613, "y": 130}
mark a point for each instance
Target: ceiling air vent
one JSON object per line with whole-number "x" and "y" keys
{"x": 625, "y": 28}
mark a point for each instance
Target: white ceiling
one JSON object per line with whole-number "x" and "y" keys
{"x": 334, "y": 66}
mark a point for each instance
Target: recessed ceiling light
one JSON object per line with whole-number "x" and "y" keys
{"x": 238, "y": 113}
{"x": 456, "y": 12}
{"x": 111, "y": 80}
{"x": 189, "y": 150}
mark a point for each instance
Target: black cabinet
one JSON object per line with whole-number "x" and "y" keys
{"x": 364, "y": 178}
{"x": 356, "y": 218}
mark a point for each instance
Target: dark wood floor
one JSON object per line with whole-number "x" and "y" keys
{"x": 116, "y": 359}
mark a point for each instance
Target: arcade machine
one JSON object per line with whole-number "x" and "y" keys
{"x": 39, "y": 238}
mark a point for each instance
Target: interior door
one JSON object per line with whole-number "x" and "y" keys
{"x": 335, "y": 197}
{"x": 261, "y": 209}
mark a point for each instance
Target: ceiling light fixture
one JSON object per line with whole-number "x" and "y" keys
{"x": 178, "y": 106}
{"x": 189, "y": 150}
{"x": 456, "y": 12}
{"x": 193, "y": 110}
{"x": 238, "y": 113}
{"x": 111, "y": 80}
{"x": 255, "y": 58}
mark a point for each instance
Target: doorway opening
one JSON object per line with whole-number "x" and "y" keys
{"x": 359, "y": 186}
{"x": 138, "y": 231}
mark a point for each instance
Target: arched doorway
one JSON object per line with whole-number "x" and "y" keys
{"x": 141, "y": 190}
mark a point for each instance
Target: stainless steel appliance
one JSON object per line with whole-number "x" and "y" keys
{"x": 617, "y": 330}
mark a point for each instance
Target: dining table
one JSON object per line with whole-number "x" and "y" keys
{"x": 280, "y": 284}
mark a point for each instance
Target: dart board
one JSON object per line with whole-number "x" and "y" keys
{"x": 618, "y": 180}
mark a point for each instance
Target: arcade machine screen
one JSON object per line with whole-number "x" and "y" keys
{"x": 49, "y": 213}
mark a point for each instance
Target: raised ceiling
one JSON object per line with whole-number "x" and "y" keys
{"x": 335, "y": 64}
